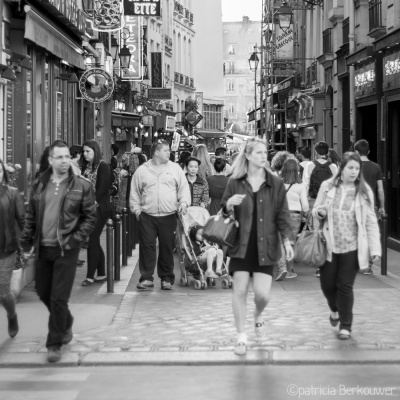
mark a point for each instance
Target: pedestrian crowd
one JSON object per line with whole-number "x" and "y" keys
{"x": 271, "y": 196}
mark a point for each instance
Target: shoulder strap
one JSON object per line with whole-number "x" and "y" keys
{"x": 289, "y": 187}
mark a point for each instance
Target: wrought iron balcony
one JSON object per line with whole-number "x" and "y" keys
{"x": 376, "y": 29}
{"x": 345, "y": 30}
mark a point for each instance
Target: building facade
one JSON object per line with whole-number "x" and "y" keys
{"x": 241, "y": 85}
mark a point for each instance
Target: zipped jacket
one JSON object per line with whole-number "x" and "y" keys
{"x": 14, "y": 211}
{"x": 76, "y": 218}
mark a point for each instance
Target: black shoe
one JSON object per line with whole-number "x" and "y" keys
{"x": 333, "y": 321}
{"x": 68, "y": 334}
{"x": 53, "y": 354}
{"x": 166, "y": 285}
{"x": 13, "y": 327}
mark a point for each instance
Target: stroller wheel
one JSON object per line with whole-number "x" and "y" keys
{"x": 203, "y": 285}
{"x": 225, "y": 284}
{"x": 183, "y": 282}
{"x": 230, "y": 285}
{"x": 197, "y": 285}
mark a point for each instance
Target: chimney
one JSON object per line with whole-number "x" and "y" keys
{"x": 245, "y": 20}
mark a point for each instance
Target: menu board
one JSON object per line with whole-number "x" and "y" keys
{"x": 9, "y": 126}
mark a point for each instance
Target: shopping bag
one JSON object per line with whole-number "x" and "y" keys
{"x": 310, "y": 248}
{"x": 17, "y": 281}
{"x": 221, "y": 230}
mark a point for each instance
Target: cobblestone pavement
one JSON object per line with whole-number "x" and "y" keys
{"x": 185, "y": 320}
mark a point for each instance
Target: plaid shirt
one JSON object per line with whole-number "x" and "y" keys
{"x": 199, "y": 191}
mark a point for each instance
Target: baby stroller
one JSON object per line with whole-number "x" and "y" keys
{"x": 190, "y": 266}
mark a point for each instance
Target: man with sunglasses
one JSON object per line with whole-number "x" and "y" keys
{"x": 60, "y": 217}
{"x": 159, "y": 190}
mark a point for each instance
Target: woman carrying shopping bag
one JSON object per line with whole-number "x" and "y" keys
{"x": 346, "y": 205}
{"x": 11, "y": 211}
{"x": 258, "y": 200}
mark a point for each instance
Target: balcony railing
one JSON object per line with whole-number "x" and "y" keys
{"x": 375, "y": 14}
{"x": 345, "y": 30}
{"x": 327, "y": 41}
{"x": 191, "y": 82}
{"x": 311, "y": 74}
{"x": 187, "y": 14}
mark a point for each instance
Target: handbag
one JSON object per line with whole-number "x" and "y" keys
{"x": 222, "y": 231}
{"x": 310, "y": 248}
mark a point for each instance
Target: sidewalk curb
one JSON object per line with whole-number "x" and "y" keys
{"x": 257, "y": 357}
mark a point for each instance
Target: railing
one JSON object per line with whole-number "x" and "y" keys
{"x": 187, "y": 14}
{"x": 375, "y": 14}
{"x": 177, "y": 77}
{"x": 181, "y": 79}
{"x": 327, "y": 41}
{"x": 191, "y": 18}
{"x": 345, "y": 30}
{"x": 191, "y": 82}
{"x": 187, "y": 81}
{"x": 177, "y": 7}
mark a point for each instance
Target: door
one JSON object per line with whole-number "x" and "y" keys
{"x": 367, "y": 128}
{"x": 393, "y": 175}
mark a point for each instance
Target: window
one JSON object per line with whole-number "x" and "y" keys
{"x": 231, "y": 108}
{"x": 212, "y": 116}
{"x": 231, "y": 67}
{"x": 231, "y": 48}
{"x": 231, "y": 85}
{"x": 6, "y": 35}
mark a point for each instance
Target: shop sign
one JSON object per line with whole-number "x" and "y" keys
{"x": 147, "y": 120}
{"x": 156, "y": 70}
{"x": 199, "y": 97}
{"x": 391, "y": 73}
{"x": 130, "y": 35}
{"x": 70, "y": 10}
{"x": 170, "y": 123}
{"x": 284, "y": 43}
{"x": 146, "y": 8}
{"x": 159, "y": 94}
{"x": 96, "y": 85}
{"x": 107, "y": 15}
{"x": 9, "y": 126}
{"x": 193, "y": 117}
{"x": 124, "y": 122}
{"x": 364, "y": 81}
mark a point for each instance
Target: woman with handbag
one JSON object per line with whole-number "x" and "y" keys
{"x": 98, "y": 172}
{"x": 345, "y": 203}
{"x": 258, "y": 200}
{"x": 11, "y": 211}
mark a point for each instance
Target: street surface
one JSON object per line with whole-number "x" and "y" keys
{"x": 203, "y": 383}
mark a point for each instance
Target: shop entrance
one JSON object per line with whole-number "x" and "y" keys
{"x": 393, "y": 174}
{"x": 367, "y": 128}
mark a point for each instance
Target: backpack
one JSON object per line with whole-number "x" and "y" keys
{"x": 320, "y": 173}
{"x": 114, "y": 182}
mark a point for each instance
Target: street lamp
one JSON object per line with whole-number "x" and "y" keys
{"x": 125, "y": 57}
{"x": 253, "y": 63}
{"x": 114, "y": 48}
{"x": 285, "y": 17}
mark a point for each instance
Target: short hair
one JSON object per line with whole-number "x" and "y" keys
{"x": 57, "y": 143}
{"x": 157, "y": 146}
{"x": 322, "y": 148}
{"x": 220, "y": 151}
{"x": 75, "y": 149}
{"x": 92, "y": 144}
{"x": 306, "y": 152}
{"x": 5, "y": 172}
{"x": 219, "y": 165}
{"x": 172, "y": 156}
{"x": 183, "y": 156}
{"x": 362, "y": 147}
{"x": 191, "y": 158}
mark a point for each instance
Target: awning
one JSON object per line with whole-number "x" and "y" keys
{"x": 210, "y": 133}
{"x": 45, "y": 34}
{"x": 124, "y": 119}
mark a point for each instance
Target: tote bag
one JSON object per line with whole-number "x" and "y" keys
{"x": 221, "y": 230}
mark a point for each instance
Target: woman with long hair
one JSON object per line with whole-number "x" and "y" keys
{"x": 11, "y": 212}
{"x": 217, "y": 185}
{"x": 296, "y": 195}
{"x": 345, "y": 204}
{"x": 44, "y": 163}
{"x": 258, "y": 200}
{"x": 98, "y": 172}
{"x": 200, "y": 152}
{"x": 333, "y": 157}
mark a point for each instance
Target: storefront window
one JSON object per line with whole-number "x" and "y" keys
{"x": 29, "y": 155}
{"x": 46, "y": 102}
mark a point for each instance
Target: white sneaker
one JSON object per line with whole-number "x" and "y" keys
{"x": 211, "y": 274}
{"x": 344, "y": 334}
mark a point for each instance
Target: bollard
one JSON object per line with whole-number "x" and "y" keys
{"x": 110, "y": 258}
{"x": 125, "y": 234}
{"x": 384, "y": 228}
{"x": 133, "y": 230}
{"x": 117, "y": 248}
{"x": 130, "y": 233}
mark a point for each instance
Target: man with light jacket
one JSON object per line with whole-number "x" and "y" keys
{"x": 159, "y": 189}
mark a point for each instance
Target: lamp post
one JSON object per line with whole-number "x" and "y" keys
{"x": 253, "y": 63}
{"x": 125, "y": 57}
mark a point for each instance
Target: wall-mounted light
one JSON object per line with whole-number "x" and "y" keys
{"x": 139, "y": 108}
{"x": 288, "y": 125}
{"x": 114, "y": 48}
{"x": 146, "y": 134}
{"x": 253, "y": 61}
{"x": 125, "y": 57}
{"x": 155, "y": 134}
{"x": 141, "y": 126}
{"x": 7, "y": 72}
{"x": 285, "y": 17}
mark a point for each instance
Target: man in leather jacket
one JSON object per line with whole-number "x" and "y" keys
{"x": 60, "y": 217}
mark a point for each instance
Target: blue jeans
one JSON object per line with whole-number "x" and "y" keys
{"x": 54, "y": 279}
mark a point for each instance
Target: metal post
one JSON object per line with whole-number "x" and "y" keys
{"x": 134, "y": 237}
{"x": 384, "y": 229}
{"x": 125, "y": 234}
{"x": 130, "y": 233}
{"x": 110, "y": 258}
{"x": 117, "y": 248}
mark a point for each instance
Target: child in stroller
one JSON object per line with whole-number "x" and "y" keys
{"x": 206, "y": 252}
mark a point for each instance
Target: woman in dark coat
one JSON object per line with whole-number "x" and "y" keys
{"x": 11, "y": 212}
{"x": 98, "y": 172}
{"x": 258, "y": 199}
{"x": 217, "y": 185}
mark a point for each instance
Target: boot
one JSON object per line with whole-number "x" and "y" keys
{"x": 13, "y": 327}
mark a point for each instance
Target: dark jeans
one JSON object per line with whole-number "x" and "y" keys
{"x": 337, "y": 281}
{"x": 54, "y": 279}
{"x": 151, "y": 228}
{"x": 95, "y": 255}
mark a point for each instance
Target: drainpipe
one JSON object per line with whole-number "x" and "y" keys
{"x": 352, "y": 48}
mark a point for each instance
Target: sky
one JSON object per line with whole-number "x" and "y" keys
{"x": 234, "y": 10}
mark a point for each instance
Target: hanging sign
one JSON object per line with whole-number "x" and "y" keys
{"x": 106, "y": 15}
{"x": 130, "y": 35}
{"x": 193, "y": 117}
{"x": 159, "y": 94}
{"x": 199, "y": 100}
{"x": 284, "y": 42}
{"x": 144, "y": 8}
{"x": 156, "y": 70}
{"x": 96, "y": 85}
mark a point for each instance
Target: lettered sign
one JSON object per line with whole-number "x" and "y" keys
{"x": 146, "y": 8}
